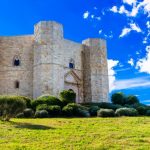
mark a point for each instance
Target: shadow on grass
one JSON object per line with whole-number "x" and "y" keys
{"x": 30, "y": 126}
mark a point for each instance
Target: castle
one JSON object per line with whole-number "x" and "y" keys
{"x": 46, "y": 63}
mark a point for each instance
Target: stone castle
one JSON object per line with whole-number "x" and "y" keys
{"x": 46, "y": 63}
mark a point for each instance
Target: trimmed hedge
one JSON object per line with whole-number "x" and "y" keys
{"x": 77, "y": 110}
{"x": 106, "y": 113}
{"x": 10, "y": 106}
{"x": 67, "y": 96}
{"x": 126, "y": 112}
{"x": 28, "y": 113}
{"x": 46, "y": 99}
{"x": 41, "y": 114}
{"x": 93, "y": 110}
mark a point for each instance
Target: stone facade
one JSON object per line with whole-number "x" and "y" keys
{"x": 48, "y": 64}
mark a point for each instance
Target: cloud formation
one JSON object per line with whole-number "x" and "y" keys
{"x": 143, "y": 65}
{"x": 132, "y": 27}
{"x": 132, "y": 83}
{"x": 86, "y": 15}
{"x": 111, "y": 72}
{"x": 131, "y": 62}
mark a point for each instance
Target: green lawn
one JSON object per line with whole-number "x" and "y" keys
{"x": 77, "y": 133}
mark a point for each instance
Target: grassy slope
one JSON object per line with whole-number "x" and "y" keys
{"x": 88, "y": 133}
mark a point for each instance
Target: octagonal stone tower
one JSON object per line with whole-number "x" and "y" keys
{"x": 48, "y": 59}
{"x": 95, "y": 71}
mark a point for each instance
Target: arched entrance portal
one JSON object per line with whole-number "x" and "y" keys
{"x": 73, "y": 82}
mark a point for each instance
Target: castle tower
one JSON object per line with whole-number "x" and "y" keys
{"x": 95, "y": 72}
{"x": 48, "y": 69}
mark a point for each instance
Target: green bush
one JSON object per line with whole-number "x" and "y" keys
{"x": 93, "y": 110}
{"x": 68, "y": 111}
{"x": 67, "y": 96}
{"x": 27, "y": 101}
{"x": 106, "y": 113}
{"x": 141, "y": 110}
{"x": 10, "y": 106}
{"x": 73, "y": 109}
{"x": 54, "y": 110}
{"x": 41, "y": 114}
{"x": 28, "y": 113}
{"x": 126, "y": 112}
{"x": 83, "y": 113}
{"x": 105, "y": 105}
{"x": 148, "y": 113}
{"x": 46, "y": 99}
{"x": 42, "y": 107}
{"x": 118, "y": 98}
{"x": 131, "y": 99}
{"x": 20, "y": 115}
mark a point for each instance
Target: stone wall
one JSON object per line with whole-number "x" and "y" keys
{"x": 21, "y": 46}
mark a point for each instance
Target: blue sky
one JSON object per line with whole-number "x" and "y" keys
{"x": 125, "y": 24}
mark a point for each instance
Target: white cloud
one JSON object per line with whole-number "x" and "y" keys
{"x": 124, "y": 32}
{"x": 114, "y": 9}
{"x": 131, "y": 62}
{"x": 133, "y": 27}
{"x": 122, "y": 10}
{"x": 100, "y": 31}
{"x": 143, "y": 65}
{"x": 86, "y": 15}
{"x": 148, "y": 24}
{"x": 111, "y": 73}
{"x": 130, "y": 2}
{"x": 136, "y": 6}
{"x": 132, "y": 83}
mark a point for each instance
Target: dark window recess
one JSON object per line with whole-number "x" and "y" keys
{"x": 17, "y": 84}
{"x": 16, "y": 62}
{"x": 71, "y": 65}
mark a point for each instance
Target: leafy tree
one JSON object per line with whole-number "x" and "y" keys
{"x": 131, "y": 99}
{"x": 118, "y": 98}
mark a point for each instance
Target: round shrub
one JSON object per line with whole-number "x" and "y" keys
{"x": 106, "y": 113}
{"x": 126, "y": 112}
{"x": 54, "y": 110}
{"x": 118, "y": 98}
{"x": 68, "y": 111}
{"x": 20, "y": 115}
{"x": 10, "y": 106}
{"x": 67, "y": 96}
{"x": 41, "y": 114}
{"x": 46, "y": 99}
{"x": 131, "y": 99}
{"x": 42, "y": 107}
{"x": 73, "y": 109}
{"x": 83, "y": 113}
{"x": 93, "y": 110}
{"x": 148, "y": 113}
{"x": 28, "y": 113}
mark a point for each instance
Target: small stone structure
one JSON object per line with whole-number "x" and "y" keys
{"x": 46, "y": 63}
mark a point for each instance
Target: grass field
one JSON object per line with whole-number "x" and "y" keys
{"x": 77, "y": 133}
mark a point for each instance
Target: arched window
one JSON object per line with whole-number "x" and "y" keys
{"x": 71, "y": 64}
{"x": 17, "y": 84}
{"x": 16, "y": 61}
